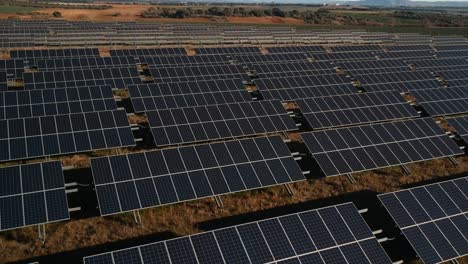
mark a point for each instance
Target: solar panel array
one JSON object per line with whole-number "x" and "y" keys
{"x": 148, "y": 52}
{"x": 114, "y": 77}
{"x": 228, "y": 50}
{"x": 433, "y": 218}
{"x": 3, "y": 81}
{"x": 155, "y": 178}
{"x": 83, "y": 63}
{"x": 400, "y": 81}
{"x": 354, "y": 149}
{"x": 292, "y": 69}
{"x": 199, "y": 73}
{"x": 55, "y": 53}
{"x": 296, "y": 49}
{"x": 345, "y": 110}
{"x": 61, "y": 134}
{"x": 292, "y": 88}
{"x": 183, "y": 60}
{"x": 32, "y": 194}
{"x": 461, "y": 126}
{"x": 192, "y": 124}
{"x": 443, "y": 101}
{"x": 373, "y": 66}
{"x": 13, "y": 68}
{"x": 147, "y": 97}
{"x": 33, "y": 103}
{"x": 269, "y": 58}
{"x": 336, "y": 234}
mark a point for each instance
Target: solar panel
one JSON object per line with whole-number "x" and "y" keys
{"x": 83, "y": 63}
{"x": 61, "y": 134}
{"x": 192, "y": 124}
{"x": 227, "y": 50}
{"x": 114, "y": 77}
{"x": 291, "y": 88}
{"x": 407, "y": 54}
{"x": 269, "y": 58}
{"x": 155, "y": 178}
{"x": 452, "y": 53}
{"x": 361, "y": 148}
{"x": 33, "y": 103}
{"x": 443, "y": 101}
{"x": 356, "y": 48}
{"x": 437, "y": 64}
{"x": 178, "y": 61}
{"x": 335, "y": 234}
{"x": 287, "y": 68}
{"x": 345, "y": 110}
{"x": 373, "y": 66}
{"x": 199, "y": 73}
{"x": 13, "y": 68}
{"x": 461, "y": 126}
{"x": 400, "y": 81}
{"x": 3, "y": 81}
{"x": 146, "y": 97}
{"x": 148, "y": 52}
{"x": 296, "y": 49}
{"x": 348, "y": 56}
{"x": 55, "y": 53}
{"x": 456, "y": 77}
{"x": 399, "y": 48}
{"x": 451, "y": 47}
{"x": 433, "y": 218}
{"x": 32, "y": 194}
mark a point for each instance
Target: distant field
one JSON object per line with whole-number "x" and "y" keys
{"x": 11, "y": 9}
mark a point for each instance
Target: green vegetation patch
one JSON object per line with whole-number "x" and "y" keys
{"x": 13, "y": 9}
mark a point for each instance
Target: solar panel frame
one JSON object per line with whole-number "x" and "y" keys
{"x": 199, "y": 73}
{"x": 34, "y": 137}
{"x": 375, "y": 146}
{"x": 203, "y": 123}
{"x": 36, "y": 186}
{"x": 114, "y": 77}
{"x": 443, "y": 101}
{"x": 147, "y": 97}
{"x": 191, "y": 173}
{"x": 55, "y": 53}
{"x": 353, "y": 109}
{"x": 461, "y": 126}
{"x": 49, "y": 102}
{"x": 283, "y": 239}
{"x": 148, "y": 52}
{"x": 423, "y": 212}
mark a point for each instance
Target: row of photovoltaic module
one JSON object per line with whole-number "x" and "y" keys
{"x": 155, "y": 178}
{"x": 139, "y": 187}
{"x": 335, "y": 234}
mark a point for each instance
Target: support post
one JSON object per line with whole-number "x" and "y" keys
{"x": 453, "y": 161}
{"x": 406, "y": 170}
{"x": 137, "y": 217}
{"x": 289, "y": 189}
{"x": 42, "y": 233}
{"x": 351, "y": 178}
{"x": 219, "y": 202}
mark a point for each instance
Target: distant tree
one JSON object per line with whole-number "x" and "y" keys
{"x": 267, "y": 12}
{"x": 256, "y": 12}
{"x": 278, "y": 12}
{"x": 228, "y": 11}
{"x": 56, "y": 14}
{"x": 179, "y": 14}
